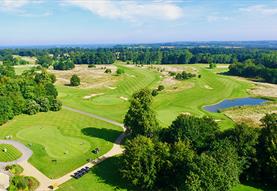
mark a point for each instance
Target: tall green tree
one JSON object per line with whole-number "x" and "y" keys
{"x": 139, "y": 163}
{"x": 199, "y": 131}
{"x": 267, "y": 149}
{"x": 140, "y": 118}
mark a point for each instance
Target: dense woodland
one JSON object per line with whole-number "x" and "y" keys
{"x": 254, "y": 63}
{"x": 193, "y": 154}
{"x": 29, "y": 93}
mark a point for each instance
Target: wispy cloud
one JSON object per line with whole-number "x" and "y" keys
{"x": 12, "y": 4}
{"x": 131, "y": 10}
{"x": 260, "y": 9}
{"x": 19, "y": 7}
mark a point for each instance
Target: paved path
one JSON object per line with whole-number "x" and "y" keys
{"x": 45, "y": 182}
{"x": 26, "y": 152}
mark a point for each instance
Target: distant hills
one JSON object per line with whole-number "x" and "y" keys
{"x": 266, "y": 44}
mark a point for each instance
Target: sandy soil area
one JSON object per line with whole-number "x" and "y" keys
{"x": 90, "y": 77}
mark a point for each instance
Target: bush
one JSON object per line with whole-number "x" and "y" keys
{"x": 91, "y": 66}
{"x": 184, "y": 76}
{"x": 160, "y": 87}
{"x": 14, "y": 169}
{"x": 155, "y": 92}
{"x": 55, "y": 105}
{"x": 172, "y": 73}
{"x": 32, "y": 107}
{"x": 23, "y": 183}
{"x": 120, "y": 71}
{"x": 43, "y": 103}
{"x": 108, "y": 71}
{"x": 75, "y": 80}
{"x": 64, "y": 64}
{"x": 212, "y": 65}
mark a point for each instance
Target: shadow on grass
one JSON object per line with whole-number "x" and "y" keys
{"x": 102, "y": 133}
{"x": 109, "y": 173}
{"x": 260, "y": 186}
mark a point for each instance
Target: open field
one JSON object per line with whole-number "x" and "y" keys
{"x": 61, "y": 141}
{"x": 251, "y": 115}
{"x": 90, "y": 77}
{"x": 31, "y": 60}
{"x": 11, "y": 153}
{"x": 21, "y": 68}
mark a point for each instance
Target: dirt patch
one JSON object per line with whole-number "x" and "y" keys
{"x": 264, "y": 89}
{"x": 90, "y": 77}
{"x": 251, "y": 115}
{"x": 92, "y": 95}
{"x": 173, "y": 85}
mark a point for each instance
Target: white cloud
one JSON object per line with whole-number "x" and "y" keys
{"x": 12, "y": 4}
{"x": 260, "y": 9}
{"x": 130, "y": 10}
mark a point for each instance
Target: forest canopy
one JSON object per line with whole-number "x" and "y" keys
{"x": 31, "y": 92}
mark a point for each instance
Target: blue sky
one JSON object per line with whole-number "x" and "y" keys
{"x": 36, "y": 22}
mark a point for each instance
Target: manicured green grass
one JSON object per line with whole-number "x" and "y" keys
{"x": 104, "y": 177}
{"x": 61, "y": 141}
{"x": 168, "y": 104}
{"x": 110, "y": 104}
{"x": 11, "y": 153}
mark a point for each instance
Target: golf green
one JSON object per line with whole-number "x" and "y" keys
{"x": 61, "y": 141}
{"x": 9, "y": 153}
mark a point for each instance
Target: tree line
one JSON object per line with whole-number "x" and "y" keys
{"x": 251, "y": 70}
{"x": 31, "y": 92}
{"x": 193, "y": 153}
{"x": 263, "y": 61}
{"x": 266, "y": 57}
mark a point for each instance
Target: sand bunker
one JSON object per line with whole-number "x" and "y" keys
{"x": 110, "y": 87}
{"x": 124, "y": 98}
{"x": 92, "y": 95}
{"x": 208, "y": 87}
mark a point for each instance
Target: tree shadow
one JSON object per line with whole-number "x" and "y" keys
{"x": 108, "y": 172}
{"x": 260, "y": 186}
{"x": 102, "y": 133}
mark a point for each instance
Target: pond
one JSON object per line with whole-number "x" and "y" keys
{"x": 233, "y": 103}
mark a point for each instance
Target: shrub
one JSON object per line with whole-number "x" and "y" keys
{"x": 155, "y": 92}
{"x": 32, "y": 107}
{"x": 120, "y": 71}
{"x": 184, "y": 76}
{"x": 55, "y": 105}
{"x": 108, "y": 71}
{"x": 172, "y": 73}
{"x": 160, "y": 87}
{"x": 75, "y": 80}
{"x": 43, "y": 103}
{"x": 212, "y": 65}
{"x": 91, "y": 66}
